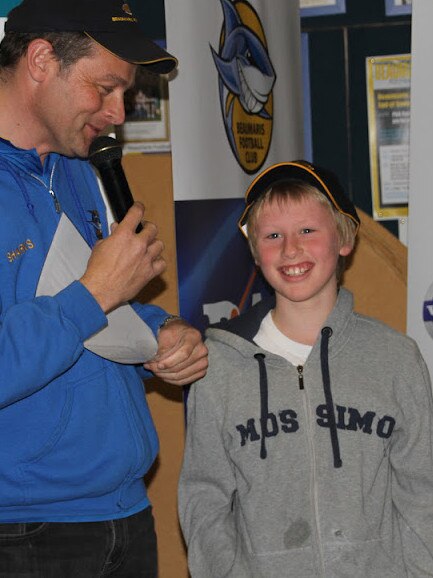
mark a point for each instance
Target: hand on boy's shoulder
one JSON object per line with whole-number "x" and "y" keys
{"x": 182, "y": 357}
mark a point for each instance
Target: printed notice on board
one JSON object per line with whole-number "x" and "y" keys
{"x": 388, "y": 93}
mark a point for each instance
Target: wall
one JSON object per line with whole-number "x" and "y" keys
{"x": 150, "y": 180}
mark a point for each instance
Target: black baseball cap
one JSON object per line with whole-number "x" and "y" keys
{"x": 109, "y": 22}
{"x": 322, "y": 179}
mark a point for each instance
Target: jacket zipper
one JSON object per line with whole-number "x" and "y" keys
{"x": 50, "y": 188}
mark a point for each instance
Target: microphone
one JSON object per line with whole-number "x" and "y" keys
{"x": 105, "y": 154}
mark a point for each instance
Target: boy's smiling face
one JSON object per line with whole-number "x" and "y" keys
{"x": 297, "y": 248}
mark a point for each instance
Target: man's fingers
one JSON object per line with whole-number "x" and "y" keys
{"x": 159, "y": 265}
{"x": 181, "y": 362}
{"x": 133, "y": 218}
{"x": 183, "y": 377}
{"x": 124, "y": 262}
{"x": 182, "y": 358}
{"x": 150, "y": 230}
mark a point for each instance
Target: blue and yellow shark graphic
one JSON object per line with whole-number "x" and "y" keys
{"x": 246, "y": 79}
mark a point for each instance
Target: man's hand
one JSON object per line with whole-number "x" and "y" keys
{"x": 182, "y": 355}
{"x": 123, "y": 263}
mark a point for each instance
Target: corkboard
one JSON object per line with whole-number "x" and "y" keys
{"x": 150, "y": 180}
{"x": 377, "y": 274}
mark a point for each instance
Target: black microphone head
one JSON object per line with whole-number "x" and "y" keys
{"x": 104, "y": 149}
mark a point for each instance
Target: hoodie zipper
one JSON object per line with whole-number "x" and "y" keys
{"x": 314, "y": 490}
{"x": 300, "y": 369}
{"x": 50, "y": 187}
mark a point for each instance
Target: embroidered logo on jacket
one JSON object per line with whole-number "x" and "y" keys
{"x": 20, "y": 250}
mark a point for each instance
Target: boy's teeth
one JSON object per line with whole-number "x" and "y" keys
{"x": 293, "y": 271}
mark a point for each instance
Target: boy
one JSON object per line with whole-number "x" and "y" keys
{"x": 309, "y": 442}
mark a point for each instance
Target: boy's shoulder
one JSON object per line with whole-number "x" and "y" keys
{"x": 247, "y": 324}
{"x": 376, "y": 333}
{"x": 231, "y": 342}
{"x": 359, "y": 334}
{"x": 373, "y": 325}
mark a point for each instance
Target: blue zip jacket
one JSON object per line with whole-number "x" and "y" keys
{"x": 76, "y": 433}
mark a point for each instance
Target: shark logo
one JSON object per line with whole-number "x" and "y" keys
{"x": 246, "y": 78}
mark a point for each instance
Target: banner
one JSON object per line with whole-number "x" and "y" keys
{"x": 420, "y": 225}
{"x": 235, "y": 108}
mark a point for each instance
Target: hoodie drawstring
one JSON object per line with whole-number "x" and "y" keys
{"x": 264, "y": 409}
{"x": 326, "y": 334}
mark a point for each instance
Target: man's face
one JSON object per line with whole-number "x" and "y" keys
{"x": 75, "y": 105}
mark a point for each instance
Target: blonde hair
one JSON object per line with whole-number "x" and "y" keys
{"x": 298, "y": 191}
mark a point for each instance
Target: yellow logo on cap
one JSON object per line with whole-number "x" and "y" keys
{"x": 129, "y": 18}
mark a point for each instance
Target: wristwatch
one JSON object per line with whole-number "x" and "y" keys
{"x": 168, "y": 319}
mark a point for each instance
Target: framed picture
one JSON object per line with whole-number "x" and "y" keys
{"x": 321, "y": 7}
{"x": 146, "y": 127}
{"x": 397, "y": 7}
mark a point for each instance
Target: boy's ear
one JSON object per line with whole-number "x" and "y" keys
{"x": 40, "y": 59}
{"x": 255, "y": 257}
{"x": 345, "y": 250}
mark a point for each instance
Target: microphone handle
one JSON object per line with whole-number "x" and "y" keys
{"x": 117, "y": 189}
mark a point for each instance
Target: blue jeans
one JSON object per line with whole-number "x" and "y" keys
{"x": 124, "y": 548}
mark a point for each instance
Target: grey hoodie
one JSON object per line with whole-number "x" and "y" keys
{"x": 322, "y": 470}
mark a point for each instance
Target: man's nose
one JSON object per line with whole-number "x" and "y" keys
{"x": 115, "y": 109}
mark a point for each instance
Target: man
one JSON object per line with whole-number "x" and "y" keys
{"x": 77, "y": 436}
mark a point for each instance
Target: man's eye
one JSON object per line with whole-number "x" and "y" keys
{"x": 306, "y": 231}
{"x": 273, "y": 236}
{"x": 105, "y": 89}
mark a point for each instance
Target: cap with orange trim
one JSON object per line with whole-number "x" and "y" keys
{"x": 322, "y": 179}
{"x": 109, "y": 22}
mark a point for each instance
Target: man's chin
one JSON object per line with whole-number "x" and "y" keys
{"x": 76, "y": 154}
{"x": 80, "y": 151}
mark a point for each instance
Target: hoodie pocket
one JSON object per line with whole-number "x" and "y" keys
{"x": 81, "y": 440}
